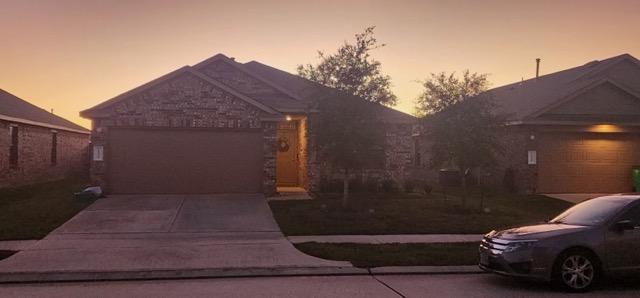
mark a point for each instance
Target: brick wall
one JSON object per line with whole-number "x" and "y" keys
{"x": 185, "y": 101}
{"x": 516, "y": 141}
{"x": 398, "y": 163}
{"x": 34, "y": 155}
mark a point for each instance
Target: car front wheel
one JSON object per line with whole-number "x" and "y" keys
{"x": 576, "y": 271}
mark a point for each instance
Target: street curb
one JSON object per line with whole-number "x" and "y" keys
{"x": 76, "y": 276}
{"x": 85, "y": 276}
{"x": 399, "y": 270}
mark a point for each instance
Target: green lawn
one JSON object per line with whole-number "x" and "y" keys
{"x": 401, "y": 213}
{"x": 377, "y": 255}
{"x": 6, "y": 253}
{"x": 31, "y": 212}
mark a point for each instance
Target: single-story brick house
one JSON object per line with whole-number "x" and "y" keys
{"x": 573, "y": 131}
{"x": 222, "y": 127}
{"x": 38, "y": 146}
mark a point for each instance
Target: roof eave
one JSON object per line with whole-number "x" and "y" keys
{"x": 42, "y": 124}
{"x": 567, "y": 123}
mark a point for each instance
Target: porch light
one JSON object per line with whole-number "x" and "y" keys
{"x": 288, "y": 118}
{"x": 605, "y": 128}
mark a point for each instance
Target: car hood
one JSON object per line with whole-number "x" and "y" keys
{"x": 537, "y": 231}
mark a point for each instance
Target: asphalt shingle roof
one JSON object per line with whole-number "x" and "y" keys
{"x": 14, "y": 107}
{"x": 308, "y": 91}
{"x": 523, "y": 99}
{"x": 275, "y": 88}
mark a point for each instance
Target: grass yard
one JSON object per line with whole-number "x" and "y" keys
{"x": 377, "y": 255}
{"x": 31, "y": 212}
{"x": 401, "y": 213}
{"x": 6, "y": 253}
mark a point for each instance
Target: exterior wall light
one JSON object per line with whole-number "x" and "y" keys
{"x": 605, "y": 128}
{"x": 288, "y": 118}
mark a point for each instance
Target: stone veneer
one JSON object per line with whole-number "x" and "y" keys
{"x": 34, "y": 155}
{"x": 184, "y": 101}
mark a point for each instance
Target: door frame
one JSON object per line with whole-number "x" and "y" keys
{"x": 296, "y": 130}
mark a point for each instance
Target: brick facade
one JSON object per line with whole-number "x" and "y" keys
{"x": 197, "y": 97}
{"x": 34, "y": 155}
{"x": 185, "y": 101}
{"x": 398, "y": 166}
{"x": 517, "y": 141}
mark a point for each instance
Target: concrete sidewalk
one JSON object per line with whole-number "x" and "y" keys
{"x": 386, "y": 239}
{"x": 16, "y": 245}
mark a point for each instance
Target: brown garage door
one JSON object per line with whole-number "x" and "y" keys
{"x": 587, "y": 163}
{"x": 184, "y": 161}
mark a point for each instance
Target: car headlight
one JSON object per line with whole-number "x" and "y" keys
{"x": 520, "y": 245}
{"x": 490, "y": 234}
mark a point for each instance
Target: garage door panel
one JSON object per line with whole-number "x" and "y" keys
{"x": 572, "y": 162}
{"x": 184, "y": 161}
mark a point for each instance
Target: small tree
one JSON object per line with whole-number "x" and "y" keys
{"x": 465, "y": 135}
{"x": 443, "y": 90}
{"x": 348, "y": 135}
{"x": 353, "y": 70}
{"x": 462, "y": 126}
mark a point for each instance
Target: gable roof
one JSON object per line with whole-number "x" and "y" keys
{"x": 227, "y": 70}
{"x": 15, "y": 109}
{"x": 308, "y": 90}
{"x": 279, "y": 92}
{"x": 185, "y": 69}
{"x": 525, "y": 100}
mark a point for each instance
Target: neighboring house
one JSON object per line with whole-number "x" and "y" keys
{"x": 38, "y": 146}
{"x": 223, "y": 127}
{"x": 573, "y": 131}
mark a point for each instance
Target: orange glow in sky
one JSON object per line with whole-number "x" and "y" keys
{"x": 71, "y": 55}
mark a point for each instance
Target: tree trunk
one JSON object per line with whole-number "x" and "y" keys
{"x": 464, "y": 186}
{"x": 345, "y": 189}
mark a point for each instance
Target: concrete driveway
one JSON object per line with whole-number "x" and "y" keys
{"x": 165, "y": 232}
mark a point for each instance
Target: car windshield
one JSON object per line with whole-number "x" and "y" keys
{"x": 590, "y": 213}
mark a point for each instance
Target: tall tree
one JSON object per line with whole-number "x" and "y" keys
{"x": 442, "y": 90}
{"x": 347, "y": 135}
{"x": 353, "y": 70}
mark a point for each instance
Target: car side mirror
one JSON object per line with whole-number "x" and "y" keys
{"x": 624, "y": 225}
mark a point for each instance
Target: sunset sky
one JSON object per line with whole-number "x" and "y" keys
{"x": 71, "y": 55}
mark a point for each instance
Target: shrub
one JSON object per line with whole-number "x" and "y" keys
{"x": 409, "y": 185}
{"x": 509, "y": 180}
{"x": 388, "y": 185}
{"x": 372, "y": 184}
{"x": 356, "y": 185}
{"x": 330, "y": 185}
{"x": 427, "y": 188}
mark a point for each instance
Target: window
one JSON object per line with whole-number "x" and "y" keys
{"x": 98, "y": 153}
{"x": 532, "y": 157}
{"x": 632, "y": 215}
{"x": 13, "y": 148}
{"x": 54, "y": 148}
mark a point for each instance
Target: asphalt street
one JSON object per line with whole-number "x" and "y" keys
{"x": 461, "y": 285}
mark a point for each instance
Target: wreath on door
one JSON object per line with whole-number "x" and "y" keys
{"x": 283, "y": 144}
